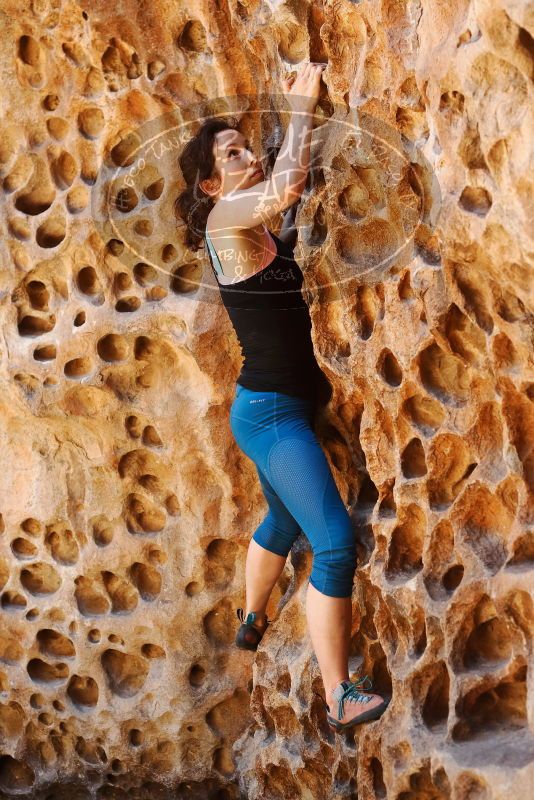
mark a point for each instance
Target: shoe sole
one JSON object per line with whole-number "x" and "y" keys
{"x": 246, "y": 646}
{"x": 366, "y": 716}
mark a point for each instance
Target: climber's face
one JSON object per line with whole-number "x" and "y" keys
{"x": 236, "y": 167}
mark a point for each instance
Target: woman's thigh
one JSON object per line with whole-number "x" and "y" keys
{"x": 259, "y": 419}
{"x": 275, "y": 431}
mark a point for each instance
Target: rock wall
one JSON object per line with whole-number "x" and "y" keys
{"x": 126, "y": 506}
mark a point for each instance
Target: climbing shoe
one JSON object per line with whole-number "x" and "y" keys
{"x": 248, "y": 636}
{"x": 354, "y": 706}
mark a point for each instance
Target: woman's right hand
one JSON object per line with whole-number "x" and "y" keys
{"x": 302, "y": 91}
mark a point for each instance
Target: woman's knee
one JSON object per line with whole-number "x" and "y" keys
{"x": 333, "y": 569}
{"x": 273, "y": 538}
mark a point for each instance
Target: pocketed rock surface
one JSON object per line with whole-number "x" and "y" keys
{"x": 126, "y": 506}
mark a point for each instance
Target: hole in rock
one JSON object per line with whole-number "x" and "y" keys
{"x": 444, "y": 375}
{"x": 483, "y": 639}
{"x": 483, "y": 522}
{"x": 283, "y": 684}
{"x": 476, "y": 200}
{"x": 354, "y": 201}
{"x": 427, "y": 244}
{"x": 471, "y": 787}
{"x": 421, "y": 641}
{"x": 55, "y": 644}
{"x": 450, "y": 466}
{"x": 389, "y": 368}
{"x": 29, "y": 50}
{"x": 366, "y": 310}
{"x": 168, "y": 253}
{"x": 379, "y": 787}
{"x": 388, "y": 507}
{"x": 51, "y": 233}
{"x": 78, "y": 367}
{"x": 470, "y": 150}
{"x": 136, "y": 737}
{"x": 474, "y": 297}
{"x": 452, "y": 101}
{"x": 425, "y": 413}
{"x": 197, "y": 675}
{"x": 505, "y": 354}
{"x": 128, "y": 304}
{"x": 35, "y": 326}
{"x": 112, "y": 347}
{"x": 126, "y": 199}
{"x": 125, "y": 152}
{"x": 369, "y": 246}
{"x": 83, "y": 691}
{"x": 186, "y": 278}
{"x": 15, "y": 776}
{"x": 493, "y": 710}
{"x": 122, "y": 281}
{"x": 523, "y": 552}
{"x": 413, "y": 463}
{"x": 430, "y": 690}
{"x": 154, "y": 190}
{"x": 45, "y": 353}
{"x": 405, "y": 556}
{"x": 42, "y": 672}
{"x": 40, "y": 578}
{"x": 405, "y": 288}
{"x": 12, "y": 600}
{"x": 218, "y": 624}
{"x": 147, "y": 580}
{"x": 23, "y": 548}
{"x": 222, "y": 761}
{"x": 88, "y": 281}
{"x": 38, "y": 295}
{"x": 220, "y": 565}
{"x": 424, "y": 786}
{"x": 368, "y": 494}
{"x": 319, "y": 229}
{"x": 145, "y": 274}
{"x": 508, "y": 306}
{"x": 466, "y": 339}
{"x": 193, "y": 37}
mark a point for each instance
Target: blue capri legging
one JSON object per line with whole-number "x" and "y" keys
{"x": 275, "y": 431}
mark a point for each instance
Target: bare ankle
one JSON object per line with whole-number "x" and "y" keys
{"x": 333, "y": 686}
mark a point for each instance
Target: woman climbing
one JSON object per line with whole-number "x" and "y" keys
{"x": 227, "y": 200}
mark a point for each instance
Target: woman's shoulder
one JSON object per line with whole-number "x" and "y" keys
{"x": 214, "y": 226}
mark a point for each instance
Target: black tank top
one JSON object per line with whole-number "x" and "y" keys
{"x": 273, "y": 326}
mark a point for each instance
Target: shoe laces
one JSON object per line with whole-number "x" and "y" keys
{"x": 352, "y": 695}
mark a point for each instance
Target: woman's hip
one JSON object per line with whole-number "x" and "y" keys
{"x": 259, "y": 419}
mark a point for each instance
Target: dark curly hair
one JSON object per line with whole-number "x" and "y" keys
{"x": 197, "y": 161}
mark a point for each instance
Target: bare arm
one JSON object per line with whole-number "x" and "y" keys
{"x": 248, "y": 208}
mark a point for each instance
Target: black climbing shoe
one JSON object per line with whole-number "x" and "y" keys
{"x": 248, "y": 636}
